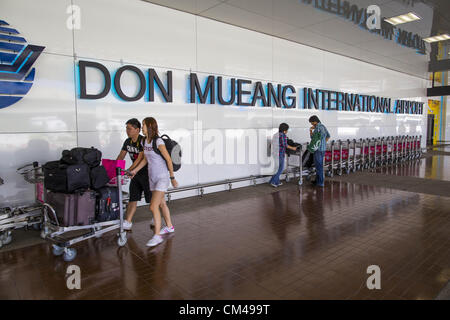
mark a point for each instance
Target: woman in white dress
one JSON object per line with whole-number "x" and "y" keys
{"x": 160, "y": 174}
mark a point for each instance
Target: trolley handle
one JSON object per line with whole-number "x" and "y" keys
{"x": 34, "y": 165}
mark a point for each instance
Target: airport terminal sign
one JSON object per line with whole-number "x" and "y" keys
{"x": 240, "y": 92}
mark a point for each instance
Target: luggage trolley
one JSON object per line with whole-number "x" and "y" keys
{"x": 403, "y": 156}
{"x": 62, "y": 242}
{"x": 349, "y": 152}
{"x": 411, "y": 148}
{"x": 359, "y": 159}
{"x": 342, "y": 155}
{"x": 354, "y": 158}
{"x": 417, "y": 146}
{"x": 329, "y": 159}
{"x": 365, "y": 154}
{"x": 395, "y": 150}
{"x": 27, "y": 215}
{"x": 382, "y": 152}
{"x": 292, "y": 168}
{"x": 372, "y": 152}
{"x": 300, "y": 168}
{"x": 379, "y": 152}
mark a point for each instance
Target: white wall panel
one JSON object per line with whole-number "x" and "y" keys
{"x": 42, "y": 23}
{"x": 49, "y": 106}
{"x": 225, "y": 49}
{"x": 234, "y": 117}
{"x": 136, "y": 32}
{"x": 297, "y": 64}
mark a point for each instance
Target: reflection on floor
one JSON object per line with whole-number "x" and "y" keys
{"x": 261, "y": 243}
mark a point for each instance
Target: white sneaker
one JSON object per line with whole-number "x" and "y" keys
{"x": 157, "y": 239}
{"x": 167, "y": 230}
{"x": 274, "y": 185}
{"x": 127, "y": 225}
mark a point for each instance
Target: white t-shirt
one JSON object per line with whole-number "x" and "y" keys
{"x": 156, "y": 164}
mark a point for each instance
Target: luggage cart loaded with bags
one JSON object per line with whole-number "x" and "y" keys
{"x": 81, "y": 203}
{"x": 352, "y": 155}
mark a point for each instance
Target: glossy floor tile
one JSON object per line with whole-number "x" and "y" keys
{"x": 436, "y": 167}
{"x": 259, "y": 243}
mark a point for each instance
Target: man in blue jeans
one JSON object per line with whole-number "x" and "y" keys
{"x": 320, "y": 153}
{"x": 282, "y": 146}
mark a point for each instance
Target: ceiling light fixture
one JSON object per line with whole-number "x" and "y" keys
{"x": 404, "y": 18}
{"x": 440, "y": 37}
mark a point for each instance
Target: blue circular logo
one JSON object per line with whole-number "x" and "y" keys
{"x": 16, "y": 65}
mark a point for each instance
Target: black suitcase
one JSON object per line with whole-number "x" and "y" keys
{"x": 108, "y": 206}
{"x": 76, "y": 209}
{"x": 66, "y": 178}
{"x": 78, "y": 177}
{"x": 307, "y": 159}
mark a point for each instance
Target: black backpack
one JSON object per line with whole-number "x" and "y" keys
{"x": 173, "y": 148}
{"x": 90, "y": 156}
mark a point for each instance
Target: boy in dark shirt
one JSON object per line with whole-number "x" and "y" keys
{"x": 282, "y": 146}
{"x": 139, "y": 183}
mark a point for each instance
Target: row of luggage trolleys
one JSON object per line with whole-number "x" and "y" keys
{"x": 345, "y": 156}
{"x": 42, "y": 215}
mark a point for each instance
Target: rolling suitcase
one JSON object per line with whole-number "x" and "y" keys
{"x": 76, "y": 209}
{"x": 107, "y": 207}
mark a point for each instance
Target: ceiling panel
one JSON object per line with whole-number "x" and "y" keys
{"x": 302, "y": 23}
{"x": 243, "y": 18}
{"x": 191, "y": 6}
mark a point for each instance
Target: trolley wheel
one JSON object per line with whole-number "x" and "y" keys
{"x": 122, "y": 240}
{"x": 7, "y": 240}
{"x": 308, "y": 178}
{"x": 37, "y": 226}
{"x": 69, "y": 254}
{"x": 348, "y": 170}
{"x": 97, "y": 229}
{"x": 57, "y": 250}
{"x": 44, "y": 233}
{"x": 287, "y": 178}
{"x": 329, "y": 174}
